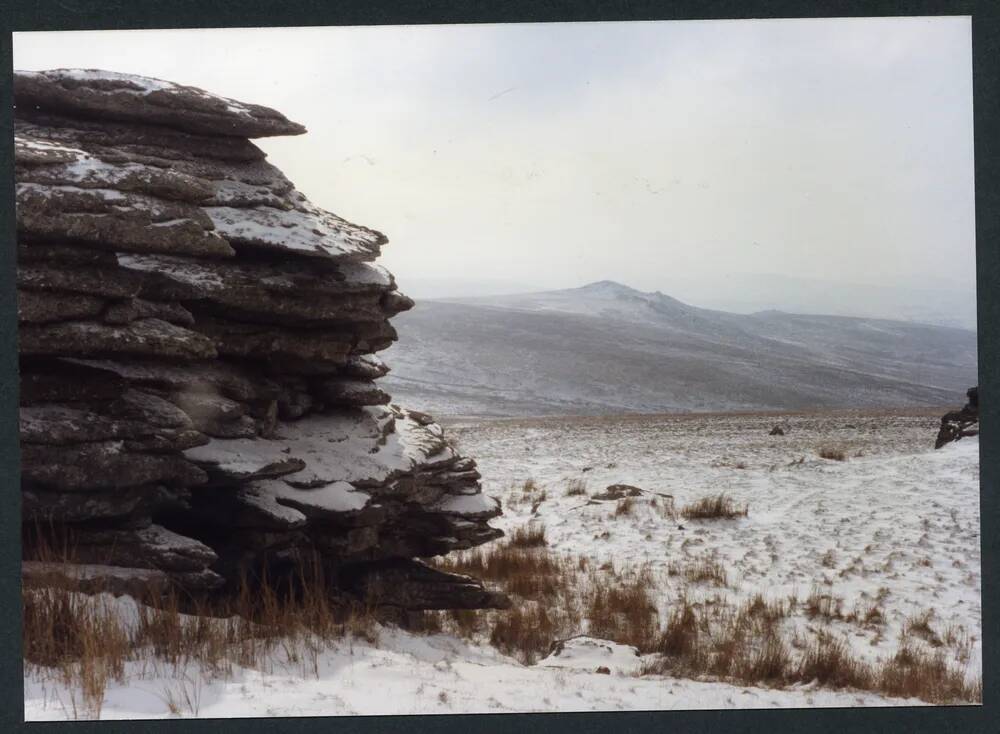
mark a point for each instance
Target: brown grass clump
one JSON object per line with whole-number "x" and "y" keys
{"x": 527, "y": 632}
{"x": 823, "y": 605}
{"x": 86, "y": 643}
{"x": 701, "y": 570}
{"x": 958, "y": 639}
{"x": 528, "y": 536}
{"x": 556, "y": 597}
{"x": 765, "y": 662}
{"x": 680, "y": 638}
{"x": 625, "y": 507}
{"x": 866, "y": 615}
{"x": 624, "y": 612}
{"x": 920, "y": 626}
{"x": 768, "y": 610}
{"x": 833, "y": 454}
{"x": 745, "y": 646}
{"x": 576, "y": 488}
{"x": 665, "y": 505}
{"x": 913, "y": 673}
{"x": 741, "y": 645}
{"x": 715, "y": 507}
{"x": 529, "y": 572}
{"x": 829, "y": 662}
{"x": 910, "y": 673}
{"x": 79, "y": 638}
{"x": 544, "y": 588}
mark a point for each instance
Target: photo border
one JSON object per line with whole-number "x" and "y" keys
{"x": 52, "y": 15}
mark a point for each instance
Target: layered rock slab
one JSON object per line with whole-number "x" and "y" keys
{"x": 198, "y": 371}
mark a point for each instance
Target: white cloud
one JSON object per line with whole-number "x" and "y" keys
{"x": 557, "y": 154}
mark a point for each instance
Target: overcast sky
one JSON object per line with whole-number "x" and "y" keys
{"x": 552, "y": 155}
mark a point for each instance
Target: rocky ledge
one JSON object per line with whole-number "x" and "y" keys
{"x": 957, "y": 424}
{"x": 198, "y": 343}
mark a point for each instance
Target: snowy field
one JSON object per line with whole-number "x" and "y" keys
{"x": 894, "y": 515}
{"x": 895, "y": 524}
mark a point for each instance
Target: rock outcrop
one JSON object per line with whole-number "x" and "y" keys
{"x": 957, "y": 424}
{"x": 198, "y": 347}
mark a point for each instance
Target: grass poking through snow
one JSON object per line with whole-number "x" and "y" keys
{"x": 714, "y": 507}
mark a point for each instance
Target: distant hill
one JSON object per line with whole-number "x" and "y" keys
{"x": 608, "y": 348}
{"x": 748, "y": 293}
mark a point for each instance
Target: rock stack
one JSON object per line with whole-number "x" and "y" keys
{"x": 198, "y": 369}
{"x": 957, "y": 424}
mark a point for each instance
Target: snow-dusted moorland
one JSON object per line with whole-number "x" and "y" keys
{"x": 895, "y": 525}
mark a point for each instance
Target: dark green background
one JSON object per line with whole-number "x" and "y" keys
{"x": 29, "y": 15}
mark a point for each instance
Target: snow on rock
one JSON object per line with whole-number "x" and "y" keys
{"x": 336, "y": 498}
{"x": 364, "y": 446}
{"x": 107, "y": 218}
{"x": 201, "y": 392}
{"x": 468, "y": 505}
{"x": 130, "y": 97}
{"x": 42, "y": 162}
{"x": 308, "y": 231}
{"x": 592, "y": 654}
{"x": 281, "y": 292}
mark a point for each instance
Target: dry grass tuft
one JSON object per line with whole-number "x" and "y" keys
{"x": 831, "y": 453}
{"x": 715, "y": 507}
{"x": 680, "y": 638}
{"x": 829, "y": 662}
{"x": 746, "y": 646}
{"x": 913, "y": 673}
{"x": 625, "y": 507}
{"x": 531, "y": 572}
{"x": 576, "y": 488}
{"x": 920, "y": 626}
{"x": 79, "y": 638}
{"x": 528, "y": 536}
{"x": 624, "y": 611}
{"x": 544, "y": 586}
{"x": 527, "y": 632}
{"x": 700, "y": 570}
{"x": 823, "y": 605}
{"x": 86, "y": 642}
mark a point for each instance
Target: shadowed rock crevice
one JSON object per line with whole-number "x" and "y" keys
{"x": 199, "y": 389}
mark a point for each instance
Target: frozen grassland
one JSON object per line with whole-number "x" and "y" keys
{"x": 892, "y": 527}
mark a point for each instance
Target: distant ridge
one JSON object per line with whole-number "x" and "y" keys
{"x": 605, "y": 347}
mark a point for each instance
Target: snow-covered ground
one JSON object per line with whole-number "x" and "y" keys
{"x": 895, "y": 515}
{"x": 896, "y": 523}
{"x": 409, "y": 674}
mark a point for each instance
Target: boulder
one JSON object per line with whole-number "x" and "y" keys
{"x": 617, "y": 492}
{"x": 414, "y": 586}
{"x": 199, "y": 386}
{"x": 958, "y": 424}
